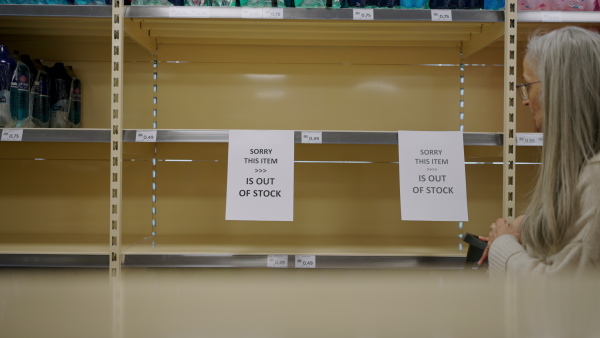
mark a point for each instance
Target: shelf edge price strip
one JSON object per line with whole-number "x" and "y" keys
{"x": 312, "y": 137}
{"x": 552, "y": 16}
{"x": 363, "y": 14}
{"x": 189, "y": 12}
{"x": 530, "y": 139}
{"x": 441, "y": 15}
{"x": 272, "y": 13}
{"x": 305, "y": 262}
{"x": 145, "y": 135}
{"x": 252, "y": 13}
{"x": 12, "y": 135}
{"x": 277, "y": 261}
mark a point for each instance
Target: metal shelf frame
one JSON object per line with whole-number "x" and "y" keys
{"x": 54, "y": 260}
{"x": 222, "y": 136}
{"x": 458, "y": 15}
{"x": 116, "y": 135}
{"x": 322, "y": 261}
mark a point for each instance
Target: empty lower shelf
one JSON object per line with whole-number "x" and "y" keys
{"x": 255, "y": 251}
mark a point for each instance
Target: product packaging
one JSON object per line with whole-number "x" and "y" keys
{"x": 7, "y": 68}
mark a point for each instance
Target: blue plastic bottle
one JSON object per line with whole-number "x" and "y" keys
{"x": 7, "y": 68}
{"x": 60, "y": 92}
{"x": 19, "y": 93}
{"x": 75, "y": 106}
{"x": 43, "y": 83}
{"x": 39, "y": 94}
{"x": 53, "y": 2}
{"x": 20, "y": 2}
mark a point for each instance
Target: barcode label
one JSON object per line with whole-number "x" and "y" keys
{"x": 306, "y": 262}
{"x": 145, "y": 135}
{"x": 530, "y": 139}
{"x": 277, "y": 261}
{"x": 312, "y": 137}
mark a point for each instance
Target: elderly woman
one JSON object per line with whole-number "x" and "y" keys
{"x": 560, "y": 230}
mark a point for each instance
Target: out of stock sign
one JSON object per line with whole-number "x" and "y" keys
{"x": 260, "y": 175}
{"x": 432, "y": 176}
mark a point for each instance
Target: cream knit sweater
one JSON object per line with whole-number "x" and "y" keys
{"x": 580, "y": 255}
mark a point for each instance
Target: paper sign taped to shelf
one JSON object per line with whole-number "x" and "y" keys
{"x": 305, "y": 262}
{"x": 530, "y": 139}
{"x": 312, "y": 137}
{"x": 14, "y": 134}
{"x": 363, "y": 14}
{"x": 432, "y": 176}
{"x": 260, "y": 175}
{"x": 277, "y": 261}
{"x": 441, "y": 15}
{"x": 272, "y": 13}
{"x": 189, "y": 12}
{"x": 148, "y": 135}
{"x": 552, "y": 16}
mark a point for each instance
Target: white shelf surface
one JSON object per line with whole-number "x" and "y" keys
{"x": 54, "y": 244}
{"x": 297, "y": 245}
{"x": 58, "y": 250}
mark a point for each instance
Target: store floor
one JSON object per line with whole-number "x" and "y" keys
{"x": 290, "y": 303}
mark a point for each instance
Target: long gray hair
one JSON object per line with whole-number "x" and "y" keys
{"x": 567, "y": 62}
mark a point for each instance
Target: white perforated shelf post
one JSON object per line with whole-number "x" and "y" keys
{"x": 510, "y": 101}
{"x": 116, "y": 154}
{"x": 510, "y": 97}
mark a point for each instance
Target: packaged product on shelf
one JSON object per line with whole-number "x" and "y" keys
{"x": 357, "y": 3}
{"x": 90, "y": 2}
{"x": 53, "y": 2}
{"x": 470, "y": 4}
{"x": 255, "y": 3}
{"x": 443, "y": 4}
{"x": 7, "y": 68}
{"x": 414, "y": 4}
{"x": 157, "y": 2}
{"x": 222, "y": 3}
{"x": 493, "y": 4}
{"x": 75, "y": 106}
{"x": 310, "y": 3}
{"x": 197, "y": 2}
{"x": 39, "y": 97}
{"x": 317, "y": 4}
{"x": 391, "y": 3}
{"x": 557, "y": 5}
{"x": 19, "y": 94}
{"x": 60, "y": 92}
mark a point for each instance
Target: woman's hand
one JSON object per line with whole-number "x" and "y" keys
{"x": 501, "y": 227}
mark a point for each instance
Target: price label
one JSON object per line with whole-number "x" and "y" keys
{"x": 312, "y": 137}
{"x": 12, "y": 135}
{"x": 441, "y": 15}
{"x": 530, "y": 139}
{"x": 552, "y": 16}
{"x": 277, "y": 261}
{"x": 272, "y": 13}
{"x": 145, "y": 135}
{"x": 189, "y": 12}
{"x": 252, "y": 13}
{"x": 363, "y": 14}
{"x": 306, "y": 262}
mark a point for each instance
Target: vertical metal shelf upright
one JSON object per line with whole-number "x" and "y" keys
{"x": 510, "y": 79}
{"x": 116, "y": 170}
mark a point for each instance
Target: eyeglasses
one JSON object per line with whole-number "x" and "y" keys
{"x": 524, "y": 89}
